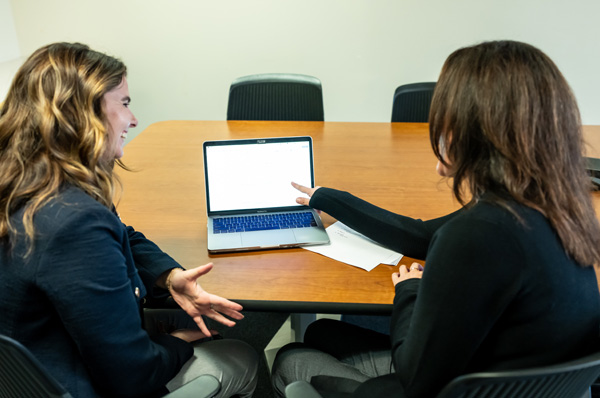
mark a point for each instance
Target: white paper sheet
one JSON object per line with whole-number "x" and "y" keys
{"x": 350, "y": 247}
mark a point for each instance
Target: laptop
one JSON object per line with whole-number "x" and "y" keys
{"x": 250, "y": 201}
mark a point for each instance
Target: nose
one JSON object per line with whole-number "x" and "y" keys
{"x": 134, "y": 121}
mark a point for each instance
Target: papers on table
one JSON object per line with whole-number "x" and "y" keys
{"x": 350, "y": 247}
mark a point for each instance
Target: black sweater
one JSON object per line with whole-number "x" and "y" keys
{"x": 497, "y": 293}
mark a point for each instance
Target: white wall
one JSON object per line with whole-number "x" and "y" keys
{"x": 9, "y": 47}
{"x": 10, "y": 59}
{"x": 183, "y": 54}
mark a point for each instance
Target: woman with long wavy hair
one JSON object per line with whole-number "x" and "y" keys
{"x": 509, "y": 281}
{"x": 72, "y": 275}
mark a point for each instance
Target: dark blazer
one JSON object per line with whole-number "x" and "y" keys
{"x": 74, "y": 301}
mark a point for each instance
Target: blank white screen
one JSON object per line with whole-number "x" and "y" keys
{"x": 252, "y": 176}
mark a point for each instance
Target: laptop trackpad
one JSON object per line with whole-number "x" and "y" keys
{"x": 268, "y": 238}
{"x": 224, "y": 241}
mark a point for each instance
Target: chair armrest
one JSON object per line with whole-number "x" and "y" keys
{"x": 205, "y": 386}
{"x": 301, "y": 389}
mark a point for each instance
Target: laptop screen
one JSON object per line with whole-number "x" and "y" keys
{"x": 257, "y": 173}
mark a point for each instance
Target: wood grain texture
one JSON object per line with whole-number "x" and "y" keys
{"x": 388, "y": 164}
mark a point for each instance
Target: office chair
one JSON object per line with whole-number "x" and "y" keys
{"x": 567, "y": 380}
{"x": 412, "y": 102}
{"x": 276, "y": 96}
{"x": 22, "y": 375}
{"x": 593, "y": 168}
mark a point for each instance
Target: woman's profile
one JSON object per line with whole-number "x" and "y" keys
{"x": 73, "y": 277}
{"x": 509, "y": 280}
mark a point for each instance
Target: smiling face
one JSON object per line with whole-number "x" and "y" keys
{"x": 115, "y": 105}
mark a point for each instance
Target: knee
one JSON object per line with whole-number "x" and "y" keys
{"x": 283, "y": 355}
{"x": 242, "y": 355}
{"x": 282, "y": 371}
{"x": 237, "y": 367}
{"x": 227, "y": 359}
{"x": 289, "y": 365}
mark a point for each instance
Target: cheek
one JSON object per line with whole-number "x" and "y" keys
{"x": 110, "y": 118}
{"x": 441, "y": 169}
{"x": 116, "y": 118}
{"x": 114, "y": 131}
{"x": 116, "y": 125}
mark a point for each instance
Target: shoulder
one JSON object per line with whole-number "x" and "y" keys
{"x": 480, "y": 218}
{"x": 489, "y": 217}
{"x": 71, "y": 231}
{"x": 486, "y": 233}
{"x": 73, "y": 203}
{"x": 74, "y": 215}
{"x": 74, "y": 226}
{"x": 75, "y": 198}
{"x": 494, "y": 236}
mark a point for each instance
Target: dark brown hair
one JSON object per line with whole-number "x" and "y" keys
{"x": 504, "y": 121}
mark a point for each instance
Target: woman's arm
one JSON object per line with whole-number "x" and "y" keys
{"x": 162, "y": 272}
{"x": 406, "y": 235}
{"x": 95, "y": 290}
{"x": 151, "y": 262}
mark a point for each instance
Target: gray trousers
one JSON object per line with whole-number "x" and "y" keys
{"x": 233, "y": 362}
{"x": 336, "y": 356}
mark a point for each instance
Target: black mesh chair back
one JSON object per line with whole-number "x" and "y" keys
{"x": 22, "y": 375}
{"x": 412, "y": 102}
{"x": 276, "y": 96}
{"x": 568, "y": 380}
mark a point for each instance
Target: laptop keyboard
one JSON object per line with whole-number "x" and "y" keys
{"x": 223, "y": 225}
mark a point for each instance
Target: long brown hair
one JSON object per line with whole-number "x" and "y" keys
{"x": 504, "y": 121}
{"x": 53, "y": 130}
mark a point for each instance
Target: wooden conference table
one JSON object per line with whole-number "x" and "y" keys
{"x": 388, "y": 164}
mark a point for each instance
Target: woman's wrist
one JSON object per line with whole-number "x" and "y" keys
{"x": 168, "y": 281}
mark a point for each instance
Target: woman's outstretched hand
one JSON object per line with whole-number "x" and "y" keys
{"x": 308, "y": 191}
{"x": 194, "y": 300}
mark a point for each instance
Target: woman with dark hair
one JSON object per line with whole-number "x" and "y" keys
{"x": 509, "y": 281}
{"x": 72, "y": 276}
